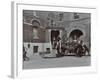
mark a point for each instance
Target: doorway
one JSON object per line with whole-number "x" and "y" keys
{"x": 54, "y": 35}
{"x": 35, "y": 49}
{"x": 78, "y": 33}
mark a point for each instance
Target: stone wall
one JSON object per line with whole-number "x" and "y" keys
{"x": 82, "y": 25}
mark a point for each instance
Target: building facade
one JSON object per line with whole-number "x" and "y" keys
{"x": 41, "y": 27}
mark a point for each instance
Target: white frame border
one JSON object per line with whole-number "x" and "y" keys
{"x": 17, "y": 71}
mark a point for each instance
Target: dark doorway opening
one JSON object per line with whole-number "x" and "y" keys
{"x": 54, "y": 35}
{"x": 35, "y": 49}
{"x": 76, "y": 33}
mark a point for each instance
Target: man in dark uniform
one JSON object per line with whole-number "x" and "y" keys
{"x": 59, "y": 47}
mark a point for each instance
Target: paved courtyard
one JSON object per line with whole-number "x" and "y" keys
{"x": 37, "y": 62}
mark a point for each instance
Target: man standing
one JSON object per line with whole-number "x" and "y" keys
{"x": 58, "y": 46}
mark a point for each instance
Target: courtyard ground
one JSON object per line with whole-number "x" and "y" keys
{"x": 37, "y": 62}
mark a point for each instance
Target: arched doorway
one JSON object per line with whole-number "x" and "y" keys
{"x": 76, "y": 33}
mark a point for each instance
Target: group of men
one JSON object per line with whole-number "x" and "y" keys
{"x": 73, "y": 45}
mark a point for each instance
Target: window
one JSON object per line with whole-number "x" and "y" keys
{"x": 61, "y": 16}
{"x": 35, "y": 33}
{"x": 76, "y": 15}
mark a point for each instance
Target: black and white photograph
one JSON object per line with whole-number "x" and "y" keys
{"x": 56, "y": 39}
{"x": 52, "y": 40}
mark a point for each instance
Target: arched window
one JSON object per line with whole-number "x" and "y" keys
{"x": 35, "y": 33}
{"x": 35, "y": 24}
